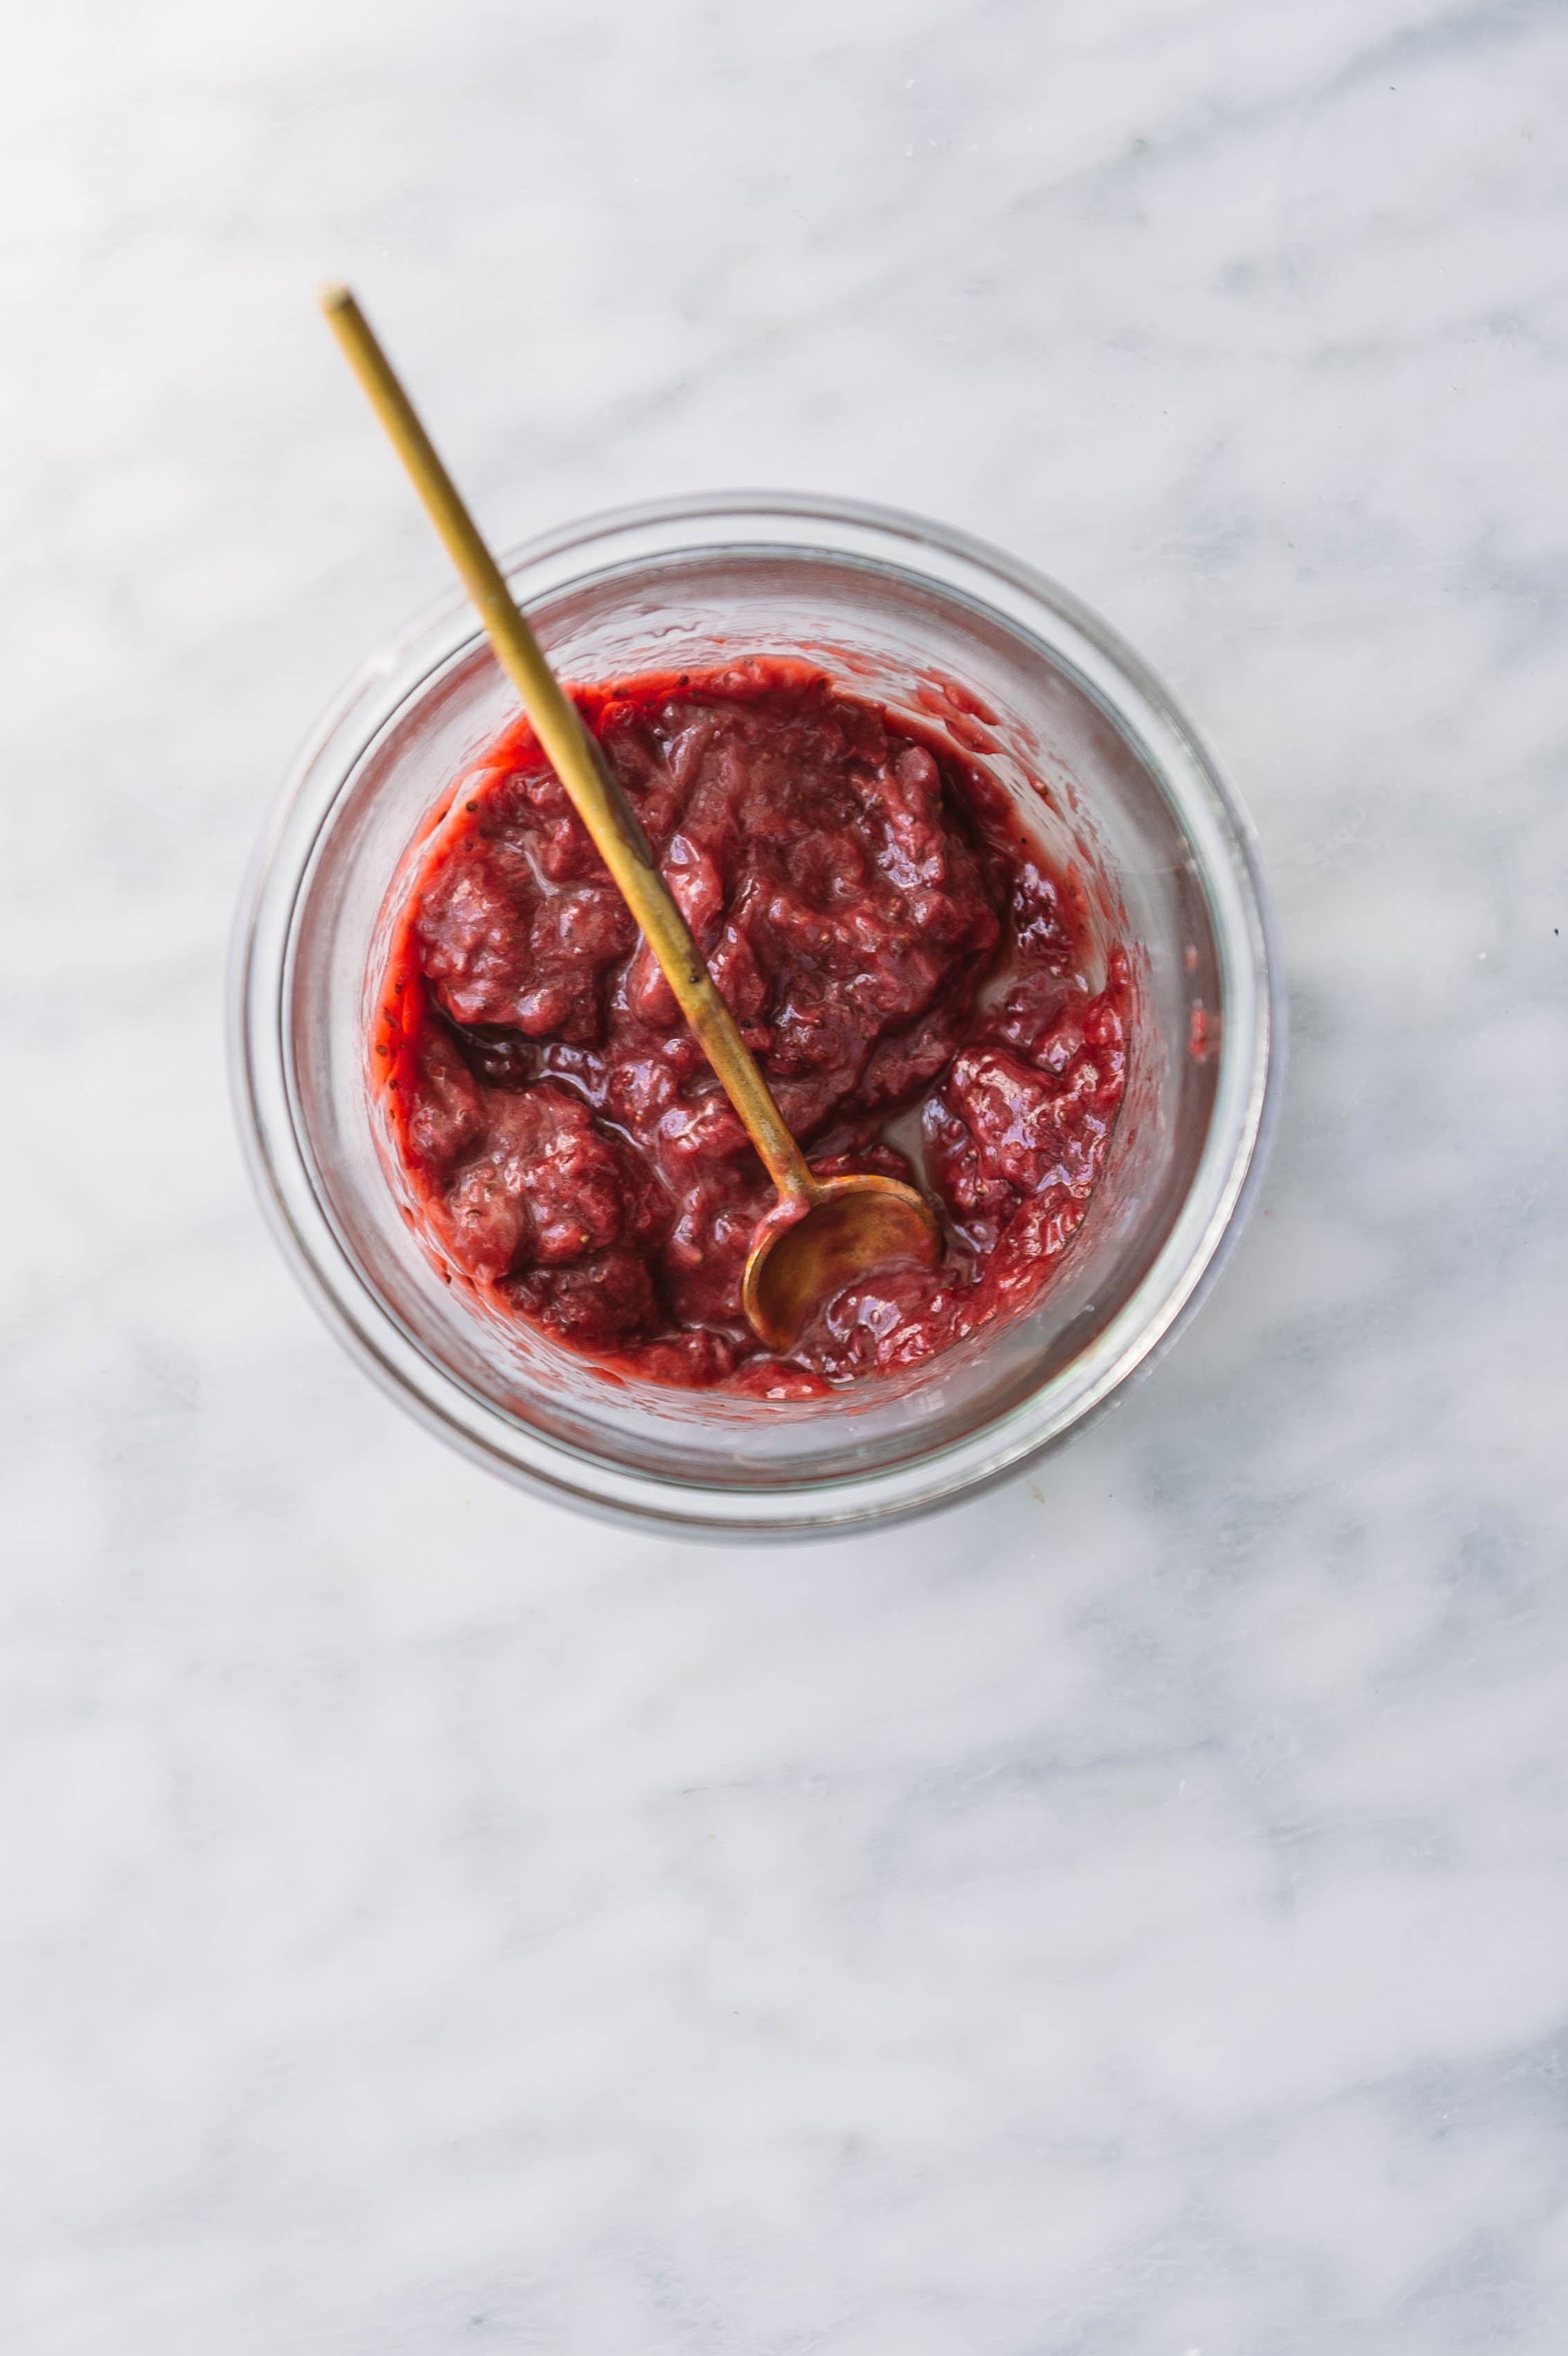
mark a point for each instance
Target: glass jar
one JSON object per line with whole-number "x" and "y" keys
{"x": 1106, "y": 770}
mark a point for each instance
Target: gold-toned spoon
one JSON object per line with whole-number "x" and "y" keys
{"x": 823, "y": 1232}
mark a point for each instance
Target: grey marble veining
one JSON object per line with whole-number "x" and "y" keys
{"x": 1129, "y": 1916}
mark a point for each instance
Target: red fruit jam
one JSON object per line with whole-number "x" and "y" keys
{"x": 907, "y": 968}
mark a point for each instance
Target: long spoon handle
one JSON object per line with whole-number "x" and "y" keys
{"x": 596, "y": 795}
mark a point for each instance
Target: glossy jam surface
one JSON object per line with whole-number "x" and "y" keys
{"x": 910, "y": 973}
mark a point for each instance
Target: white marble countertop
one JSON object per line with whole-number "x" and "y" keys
{"x": 1129, "y": 1917}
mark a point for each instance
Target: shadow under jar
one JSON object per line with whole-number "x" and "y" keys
{"x": 1106, "y": 774}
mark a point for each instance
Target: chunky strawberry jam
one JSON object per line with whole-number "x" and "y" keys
{"x": 909, "y": 972}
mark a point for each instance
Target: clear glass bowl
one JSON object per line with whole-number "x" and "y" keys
{"x": 960, "y": 637}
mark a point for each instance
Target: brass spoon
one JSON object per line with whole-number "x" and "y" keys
{"x": 823, "y": 1232}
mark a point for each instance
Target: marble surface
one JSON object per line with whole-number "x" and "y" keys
{"x": 1129, "y": 1917}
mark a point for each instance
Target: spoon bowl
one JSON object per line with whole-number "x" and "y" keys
{"x": 823, "y": 1238}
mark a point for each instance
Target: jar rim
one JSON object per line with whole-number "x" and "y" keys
{"x": 1251, "y": 1050}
